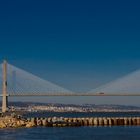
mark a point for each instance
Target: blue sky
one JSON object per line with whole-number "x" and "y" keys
{"x": 77, "y": 44}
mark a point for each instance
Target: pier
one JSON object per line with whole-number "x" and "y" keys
{"x": 97, "y": 121}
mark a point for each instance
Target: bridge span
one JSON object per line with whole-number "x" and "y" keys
{"x": 65, "y": 95}
{"x": 19, "y": 83}
{"x": 81, "y": 94}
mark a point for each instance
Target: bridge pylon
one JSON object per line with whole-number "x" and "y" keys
{"x": 4, "y": 88}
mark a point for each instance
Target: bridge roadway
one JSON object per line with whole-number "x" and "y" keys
{"x": 69, "y": 94}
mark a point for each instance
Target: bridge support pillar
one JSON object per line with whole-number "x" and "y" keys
{"x": 4, "y": 89}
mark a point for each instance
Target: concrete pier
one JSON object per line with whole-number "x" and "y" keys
{"x": 97, "y": 121}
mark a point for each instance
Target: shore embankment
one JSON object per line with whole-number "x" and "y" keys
{"x": 14, "y": 122}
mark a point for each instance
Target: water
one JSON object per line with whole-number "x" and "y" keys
{"x": 74, "y": 133}
{"x": 81, "y": 114}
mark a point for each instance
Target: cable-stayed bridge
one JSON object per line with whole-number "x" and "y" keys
{"x": 18, "y": 82}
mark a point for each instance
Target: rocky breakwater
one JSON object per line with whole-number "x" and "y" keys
{"x": 12, "y": 122}
{"x": 16, "y": 122}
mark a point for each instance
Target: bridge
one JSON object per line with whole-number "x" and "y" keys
{"x": 16, "y": 82}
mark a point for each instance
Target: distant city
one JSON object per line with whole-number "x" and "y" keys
{"x": 55, "y": 107}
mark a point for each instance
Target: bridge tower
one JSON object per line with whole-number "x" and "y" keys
{"x": 4, "y": 88}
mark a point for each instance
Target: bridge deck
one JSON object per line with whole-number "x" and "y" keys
{"x": 80, "y": 94}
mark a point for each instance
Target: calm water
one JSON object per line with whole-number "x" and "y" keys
{"x": 79, "y": 114}
{"x": 74, "y": 133}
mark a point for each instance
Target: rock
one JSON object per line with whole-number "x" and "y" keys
{"x": 29, "y": 125}
{"x": 14, "y": 125}
{"x": 2, "y": 125}
{"x": 22, "y": 123}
